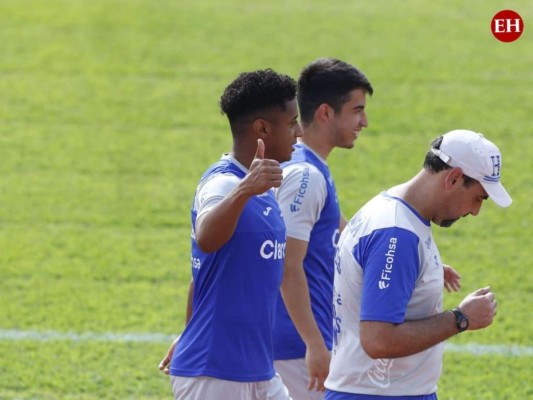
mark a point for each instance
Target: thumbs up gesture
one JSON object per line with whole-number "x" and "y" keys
{"x": 264, "y": 173}
{"x": 260, "y": 152}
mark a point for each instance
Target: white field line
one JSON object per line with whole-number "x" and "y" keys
{"x": 44, "y": 336}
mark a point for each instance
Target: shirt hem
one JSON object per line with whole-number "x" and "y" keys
{"x": 216, "y": 375}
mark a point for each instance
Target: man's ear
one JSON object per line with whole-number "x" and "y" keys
{"x": 323, "y": 112}
{"x": 453, "y": 178}
{"x": 261, "y": 128}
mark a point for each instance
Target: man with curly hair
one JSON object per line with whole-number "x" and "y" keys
{"x": 238, "y": 249}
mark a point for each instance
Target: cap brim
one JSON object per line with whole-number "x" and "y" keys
{"x": 497, "y": 193}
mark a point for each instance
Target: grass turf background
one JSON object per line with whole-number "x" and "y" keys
{"x": 108, "y": 116}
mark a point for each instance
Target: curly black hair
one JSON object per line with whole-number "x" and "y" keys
{"x": 330, "y": 81}
{"x": 253, "y": 92}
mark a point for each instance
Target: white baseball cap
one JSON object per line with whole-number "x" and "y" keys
{"x": 479, "y": 159}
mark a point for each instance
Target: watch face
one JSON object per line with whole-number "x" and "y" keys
{"x": 460, "y": 320}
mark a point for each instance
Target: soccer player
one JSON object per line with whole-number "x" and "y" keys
{"x": 238, "y": 250}
{"x": 389, "y": 324}
{"x": 332, "y": 99}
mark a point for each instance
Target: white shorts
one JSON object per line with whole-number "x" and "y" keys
{"x": 296, "y": 378}
{"x": 207, "y": 388}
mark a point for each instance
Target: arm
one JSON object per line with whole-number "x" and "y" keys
{"x": 384, "y": 332}
{"x": 295, "y": 293}
{"x": 386, "y": 340}
{"x": 300, "y": 220}
{"x": 215, "y": 227}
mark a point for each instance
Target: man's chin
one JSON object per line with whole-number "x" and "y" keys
{"x": 447, "y": 223}
{"x": 349, "y": 145}
{"x": 287, "y": 158}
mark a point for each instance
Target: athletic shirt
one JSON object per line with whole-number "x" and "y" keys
{"x": 387, "y": 269}
{"x": 308, "y": 200}
{"x": 235, "y": 288}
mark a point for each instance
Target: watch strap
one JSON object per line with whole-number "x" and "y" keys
{"x": 461, "y": 321}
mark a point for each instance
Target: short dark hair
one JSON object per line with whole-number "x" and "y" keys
{"x": 433, "y": 163}
{"x": 253, "y": 92}
{"x": 328, "y": 80}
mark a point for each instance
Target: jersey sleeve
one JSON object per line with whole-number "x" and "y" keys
{"x": 213, "y": 191}
{"x": 301, "y": 197}
{"x": 391, "y": 265}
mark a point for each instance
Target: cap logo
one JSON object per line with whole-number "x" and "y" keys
{"x": 496, "y": 166}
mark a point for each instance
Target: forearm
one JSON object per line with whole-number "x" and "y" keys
{"x": 215, "y": 227}
{"x": 385, "y": 340}
{"x": 295, "y": 293}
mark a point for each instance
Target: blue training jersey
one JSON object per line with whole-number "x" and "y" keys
{"x": 235, "y": 291}
{"x": 306, "y": 167}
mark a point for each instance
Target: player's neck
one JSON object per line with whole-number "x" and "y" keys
{"x": 317, "y": 140}
{"x": 419, "y": 193}
{"x": 243, "y": 153}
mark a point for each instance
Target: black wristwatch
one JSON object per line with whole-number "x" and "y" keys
{"x": 461, "y": 321}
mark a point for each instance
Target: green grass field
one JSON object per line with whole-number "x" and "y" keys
{"x": 109, "y": 114}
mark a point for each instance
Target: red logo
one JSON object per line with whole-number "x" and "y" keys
{"x": 507, "y": 26}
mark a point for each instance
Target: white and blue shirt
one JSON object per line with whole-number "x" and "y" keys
{"x": 229, "y": 335}
{"x": 308, "y": 201}
{"x": 387, "y": 269}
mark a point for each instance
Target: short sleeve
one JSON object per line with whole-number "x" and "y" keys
{"x": 391, "y": 265}
{"x": 301, "y": 197}
{"x": 213, "y": 191}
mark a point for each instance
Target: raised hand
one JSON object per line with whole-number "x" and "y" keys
{"x": 263, "y": 174}
{"x": 480, "y": 308}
